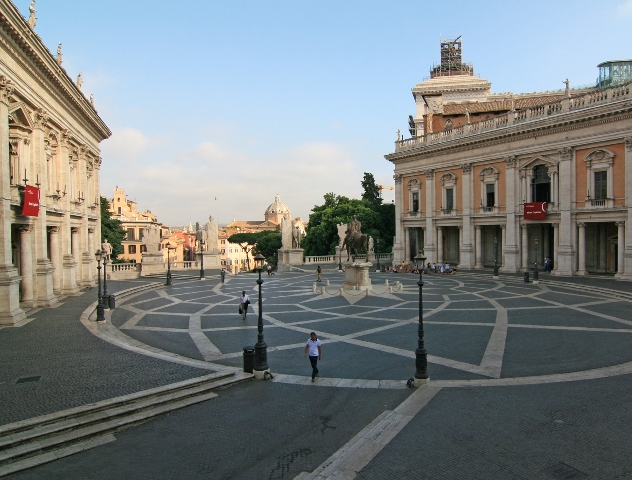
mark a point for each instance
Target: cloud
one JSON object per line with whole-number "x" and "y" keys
{"x": 625, "y": 8}
{"x": 126, "y": 144}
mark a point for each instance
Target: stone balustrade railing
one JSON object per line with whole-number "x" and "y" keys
{"x": 124, "y": 267}
{"x": 519, "y": 116}
{"x": 335, "y": 258}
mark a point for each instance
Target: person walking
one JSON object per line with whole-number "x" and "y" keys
{"x": 244, "y": 301}
{"x": 319, "y": 271}
{"x": 223, "y": 274}
{"x": 315, "y": 353}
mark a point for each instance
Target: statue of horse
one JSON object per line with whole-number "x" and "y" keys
{"x": 356, "y": 241}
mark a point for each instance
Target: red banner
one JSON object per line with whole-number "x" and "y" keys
{"x": 535, "y": 211}
{"x": 31, "y": 201}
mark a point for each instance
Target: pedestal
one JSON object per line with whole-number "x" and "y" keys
{"x": 212, "y": 260}
{"x": 152, "y": 263}
{"x": 290, "y": 256}
{"x": 357, "y": 276}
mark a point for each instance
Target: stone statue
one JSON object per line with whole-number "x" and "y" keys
{"x": 467, "y": 115}
{"x": 399, "y": 134}
{"x": 513, "y": 107}
{"x": 151, "y": 238}
{"x": 355, "y": 239}
{"x": 92, "y": 100}
{"x": 199, "y": 235}
{"x": 79, "y": 81}
{"x": 342, "y": 231}
{"x": 59, "y": 54}
{"x": 567, "y": 91}
{"x": 370, "y": 244}
{"x": 106, "y": 248}
{"x": 296, "y": 237}
{"x": 32, "y": 19}
{"x": 286, "y": 234}
{"x": 210, "y": 230}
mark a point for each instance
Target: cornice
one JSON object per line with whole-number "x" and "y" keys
{"x": 19, "y": 39}
{"x": 597, "y": 115}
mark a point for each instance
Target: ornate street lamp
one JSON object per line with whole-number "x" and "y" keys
{"x": 340, "y": 259}
{"x": 105, "y": 297}
{"x": 169, "y": 247}
{"x": 535, "y": 269}
{"x": 495, "y": 257}
{"x": 100, "y": 310}
{"x": 201, "y": 259}
{"x": 421, "y": 356}
{"x": 261, "y": 349}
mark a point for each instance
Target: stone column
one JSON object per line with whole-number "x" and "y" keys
{"x": 511, "y": 251}
{"x": 525, "y": 248}
{"x": 439, "y": 244}
{"x": 503, "y": 239}
{"x": 76, "y": 255}
{"x": 603, "y": 248}
{"x": 565, "y": 250}
{"x": 398, "y": 248}
{"x": 431, "y": 249}
{"x": 581, "y": 247}
{"x": 466, "y": 195}
{"x": 479, "y": 249}
{"x": 91, "y": 250}
{"x": 26, "y": 266}
{"x": 55, "y": 259}
{"x": 620, "y": 250}
{"x": 10, "y": 311}
{"x": 627, "y": 258}
{"x": 556, "y": 242}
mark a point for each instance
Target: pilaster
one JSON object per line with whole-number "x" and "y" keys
{"x": 398, "y": 249}
{"x": 466, "y": 232}
{"x": 627, "y": 257}
{"x": 430, "y": 241}
{"x": 565, "y": 250}
{"x": 511, "y": 252}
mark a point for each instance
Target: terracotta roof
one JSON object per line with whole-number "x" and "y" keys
{"x": 499, "y": 106}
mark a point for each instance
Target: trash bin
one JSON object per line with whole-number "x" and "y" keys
{"x": 526, "y": 277}
{"x": 112, "y": 302}
{"x": 249, "y": 359}
{"x": 383, "y": 268}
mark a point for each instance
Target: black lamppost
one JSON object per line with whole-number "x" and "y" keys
{"x": 421, "y": 356}
{"x": 105, "y": 297}
{"x": 340, "y": 259}
{"x": 169, "y": 281}
{"x": 495, "y": 257}
{"x": 201, "y": 259}
{"x": 100, "y": 309}
{"x": 377, "y": 252}
{"x": 261, "y": 349}
{"x": 535, "y": 268}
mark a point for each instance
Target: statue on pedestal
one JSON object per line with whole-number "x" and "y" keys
{"x": 286, "y": 234}
{"x": 355, "y": 239}
{"x": 151, "y": 238}
{"x": 210, "y": 232}
{"x": 296, "y": 237}
{"x": 106, "y": 249}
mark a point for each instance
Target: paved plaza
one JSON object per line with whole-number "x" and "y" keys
{"x": 527, "y": 381}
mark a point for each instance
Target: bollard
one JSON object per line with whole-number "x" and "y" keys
{"x": 112, "y": 302}
{"x": 386, "y": 282}
{"x": 342, "y": 291}
{"x": 322, "y": 290}
{"x": 249, "y": 359}
{"x": 390, "y": 289}
{"x": 368, "y": 292}
{"x": 327, "y": 282}
{"x": 526, "y": 277}
{"x": 314, "y": 288}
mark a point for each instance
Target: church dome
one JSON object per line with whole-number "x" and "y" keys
{"x": 277, "y": 207}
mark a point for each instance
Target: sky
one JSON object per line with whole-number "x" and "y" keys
{"x": 217, "y": 106}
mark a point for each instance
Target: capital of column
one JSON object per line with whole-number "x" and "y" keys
{"x": 74, "y": 229}
{"x": 581, "y": 224}
{"x": 477, "y": 227}
{"x": 429, "y": 174}
{"x": 524, "y": 226}
{"x": 620, "y": 224}
{"x": 440, "y": 228}
{"x": 91, "y": 230}
{"x": 628, "y": 144}
{"x": 565, "y": 153}
{"x": 466, "y": 168}
{"x": 25, "y": 228}
{"x": 511, "y": 161}
{"x": 6, "y": 89}
{"x": 398, "y": 178}
{"x": 503, "y": 226}
{"x": 54, "y": 230}
{"x": 40, "y": 116}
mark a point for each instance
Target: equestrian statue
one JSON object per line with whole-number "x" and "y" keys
{"x": 355, "y": 239}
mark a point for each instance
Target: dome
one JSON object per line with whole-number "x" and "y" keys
{"x": 277, "y": 207}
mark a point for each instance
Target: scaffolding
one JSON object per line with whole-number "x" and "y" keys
{"x": 451, "y": 60}
{"x": 615, "y": 72}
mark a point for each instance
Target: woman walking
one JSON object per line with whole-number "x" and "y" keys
{"x": 315, "y": 353}
{"x": 244, "y": 301}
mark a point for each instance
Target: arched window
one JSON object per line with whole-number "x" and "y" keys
{"x": 448, "y": 125}
{"x": 541, "y": 184}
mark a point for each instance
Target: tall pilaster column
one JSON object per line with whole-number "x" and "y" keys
{"x": 55, "y": 257}
{"x": 440, "y": 244}
{"x": 556, "y": 243}
{"x": 406, "y": 244}
{"x": 603, "y": 248}
{"x": 479, "y": 249}
{"x": 398, "y": 247}
{"x": 91, "y": 250}
{"x": 26, "y": 266}
{"x": 76, "y": 255}
{"x": 465, "y": 260}
{"x": 10, "y": 311}
{"x": 503, "y": 239}
{"x": 627, "y": 258}
{"x": 620, "y": 250}
{"x": 581, "y": 247}
{"x": 511, "y": 251}
{"x": 565, "y": 251}
{"x": 431, "y": 245}
{"x": 525, "y": 248}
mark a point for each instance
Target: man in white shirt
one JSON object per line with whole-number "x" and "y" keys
{"x": 244, "y": 301}
{"x": 315, "y": 353}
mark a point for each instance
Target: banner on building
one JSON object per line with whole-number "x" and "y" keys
{"x": 535, "y": 211}
{"x": 31, "y": 201}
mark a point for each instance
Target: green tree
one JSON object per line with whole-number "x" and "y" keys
{"x": 246, "y": 241}
{"x": 111, "y": 229}
{"x": 268, "y": 242}
{"x": 371, "y": 192}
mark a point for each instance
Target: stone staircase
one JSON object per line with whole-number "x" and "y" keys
{"x": 43, "y": 439}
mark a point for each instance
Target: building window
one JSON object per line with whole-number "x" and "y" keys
{"x": 601, "y": 185}
{"x": 541, "y": 184}
{"x": 131, "y": 234}
{"x": 414, "y": 188}
{"x": 449, "y": 199}
{"x": 415, "y": 201}
{"x": 143, "y": 249}
{"x": 119, "y": 210}
{"x": 131, "y": 249}
{"x": 223, "y": 242}
{"x": 491, "y": 194}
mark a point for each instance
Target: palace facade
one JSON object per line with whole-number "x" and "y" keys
{"x": 50, "y": 155}
{"x": 516, "y": 178}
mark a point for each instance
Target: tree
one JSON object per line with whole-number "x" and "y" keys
{"x": 268, "y": 242}
{"x": 371, "y": 192}
{"x": 246, "y": 241}
{"x": 111, "y": 229}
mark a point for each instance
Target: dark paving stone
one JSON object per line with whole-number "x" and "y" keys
{"x": 622, "y": 310}
{"x": 230, "y": 341}
{"x": 181, "y": 308}
{"x": 223, "y": 321}
{"x": 160, "y": 320}
{"x": 150, "y": 303}
{"x": 344, "y": 326}
{"x": 561, "y": 317}
{"x": 176, "y": 342}
{"x": 523, "y": 302}
{"x": 469, "y": 304}
{"x": 120, "y": 316}
{"x": 569, "y": 298}
{"x": 472, "y": 316}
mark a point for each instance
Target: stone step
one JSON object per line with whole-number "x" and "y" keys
{"x": 42, "y": 439}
